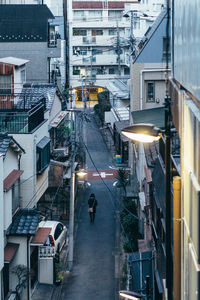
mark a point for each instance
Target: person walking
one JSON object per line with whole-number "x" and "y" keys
{"x": 92, "y": 203}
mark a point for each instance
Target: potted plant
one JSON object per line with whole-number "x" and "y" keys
{"x": 59, "y": 278}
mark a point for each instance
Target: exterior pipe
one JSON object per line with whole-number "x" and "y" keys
{"x": 141, "y": 81}
{"x": 177, "y": 236}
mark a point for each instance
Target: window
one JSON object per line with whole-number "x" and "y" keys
{"x": 23, "y": 76}
{"x": 115, "y": 15}
{"x": 126, "y": 71}
{"x": 165, "y": 48}
{"x": 79, "y": 15}
{"x": 150, "y": 88}
{"x": 96, "y": 15}
{"x": 112, "y": 31}
{"x": 78, "y": 31}
{"x": 5, "y": 84}
{"x": 97, "y": 51}
{"x": 111, "y": 71}
{"x": 43, "y": 154}
{"x": 97, "y": 32}
{"x": 76, "y": 70}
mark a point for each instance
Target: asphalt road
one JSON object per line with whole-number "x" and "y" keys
{"x": 93, "y": 274}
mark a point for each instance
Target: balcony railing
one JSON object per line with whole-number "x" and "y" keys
{"x": 21, "y": 121}
{"x": 46, "y": 251}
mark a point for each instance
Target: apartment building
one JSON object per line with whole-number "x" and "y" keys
{"x": 100, "y": 40}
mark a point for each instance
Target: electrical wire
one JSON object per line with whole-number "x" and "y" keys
{"x": 111, "y": 198}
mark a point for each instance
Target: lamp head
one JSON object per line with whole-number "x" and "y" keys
{"x": 142, "y": 132}
{"x": 81, "y": 173}
{"x": 130, "y": 295}
{"x": 126, "y": 15}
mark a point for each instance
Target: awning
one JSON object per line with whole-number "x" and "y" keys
{"x": 11, "y": 178}
{"x": 43, "y": 142}
{"x": 10, "y": 251}
{"x": 57, "y": 120}
{"x": 40, "y": 236}
{"x": 154, "y": 116}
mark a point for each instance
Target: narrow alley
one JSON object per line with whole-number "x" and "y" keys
{"x": 92, "y": 277}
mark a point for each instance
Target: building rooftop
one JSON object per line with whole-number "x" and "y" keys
{"x": 7, "y": 141}
{"x": 33, "y": 93}
{"x": 13, "y": 61}
{"x": 24, "y": 23}
{"x": 25, "y": 222}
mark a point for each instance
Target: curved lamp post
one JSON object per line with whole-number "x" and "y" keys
{"x": 147, "y": 133}
{"x": 130, "y": 295}
{"x": 81, "y": 173}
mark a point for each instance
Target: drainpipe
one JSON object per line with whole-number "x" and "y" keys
{"x": 34, "y": 167}
{"x": 141, "y": 81}
{"x": 19, "y": 186}
{"x": 28, "y": 262}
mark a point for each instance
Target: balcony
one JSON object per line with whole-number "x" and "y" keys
{"x": 20, "y": 117}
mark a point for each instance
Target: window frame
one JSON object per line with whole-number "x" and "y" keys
{"x": 42, "y": 158}
{"x": 79, "y": 32}
{"x": 148, "y": 98}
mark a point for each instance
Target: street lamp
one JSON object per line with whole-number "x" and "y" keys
{"x": 148, "y": 133}
{"x": 144, "y": 133}
{"x": 81, "y": 173}
{"x": 130, "y": 295}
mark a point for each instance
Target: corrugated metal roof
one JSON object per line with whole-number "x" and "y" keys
{"x": 154, "y": 116}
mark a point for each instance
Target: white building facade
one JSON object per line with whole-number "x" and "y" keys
{"x": 99, "y": 36}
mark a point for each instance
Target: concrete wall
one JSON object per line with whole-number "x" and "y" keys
{"x": 10, "y": 163}
{"x": 35, "y": 185}
{"x": 37, "y": 53}
{"x": 140, "y": 75}
{"x": 190, "y": 174}
{"x": 187, "y": 44}
{"x": 19, "y": 259}
{"x": 1, "y": 218}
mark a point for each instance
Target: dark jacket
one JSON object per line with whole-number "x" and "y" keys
{"x": 92, "y": 202}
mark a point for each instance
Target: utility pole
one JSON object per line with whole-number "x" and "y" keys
{"x": 72, "y": 194}
{"x": 66, "y": 37}
{"x": 118, "y": 50}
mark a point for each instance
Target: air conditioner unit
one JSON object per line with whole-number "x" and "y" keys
{"x": 61, "y": 152}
